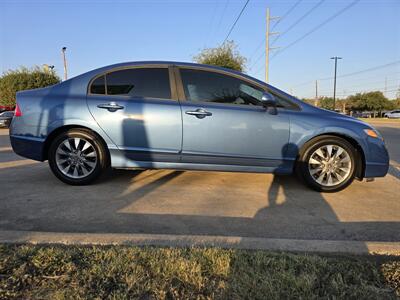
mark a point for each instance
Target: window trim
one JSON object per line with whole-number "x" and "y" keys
{"x": 182, "y": 96}
{"x": 172, "y": 83}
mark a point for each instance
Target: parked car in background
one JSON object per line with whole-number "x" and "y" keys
{"x": 362, "y": 114}
{"x": 6, "y": 108}
{"x": 339, "y": 111}
{"x": 171, "y": 115}
{"x": 5, "y": 118}
{"x": 394, "y": 114}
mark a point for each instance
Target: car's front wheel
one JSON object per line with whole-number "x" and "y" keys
{"x": 327, "y": 164}
{"x": 77, "y": 157}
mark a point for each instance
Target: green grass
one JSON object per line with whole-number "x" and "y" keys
{"x": 119, "y": 272}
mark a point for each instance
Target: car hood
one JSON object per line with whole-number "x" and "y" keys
{"x": 328, "y": 114}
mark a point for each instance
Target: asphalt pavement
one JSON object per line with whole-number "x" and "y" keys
{"x": 166, "y": 202}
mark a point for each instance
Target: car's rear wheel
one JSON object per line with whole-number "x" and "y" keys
{"x": 77, "y": 157}
{"x": 327, "y": 164}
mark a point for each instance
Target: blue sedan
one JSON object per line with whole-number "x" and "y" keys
{"x": 171, "y": 115}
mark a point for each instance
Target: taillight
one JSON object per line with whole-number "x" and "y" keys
{"x": 18, "y": 112}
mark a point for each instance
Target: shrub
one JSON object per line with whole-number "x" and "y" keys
{"x": 21, "y": 79}
{"x": 225, "y": 56}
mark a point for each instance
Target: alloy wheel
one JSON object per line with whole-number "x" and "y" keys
{"x": 329, "y": 165}
{"x": 76, "y": 157}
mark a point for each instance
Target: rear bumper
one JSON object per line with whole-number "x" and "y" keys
{"x": 29, "y": 147}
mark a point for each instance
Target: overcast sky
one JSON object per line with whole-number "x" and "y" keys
{"x": 98, "y": 33}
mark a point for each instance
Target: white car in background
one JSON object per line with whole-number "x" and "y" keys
{"x": 394, "y": 114}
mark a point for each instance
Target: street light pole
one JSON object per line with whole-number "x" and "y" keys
{"x": 334, "y": 82}
{"x": 63, "y": 49}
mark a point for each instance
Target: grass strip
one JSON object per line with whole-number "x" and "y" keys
{"x": 124, "y": 272}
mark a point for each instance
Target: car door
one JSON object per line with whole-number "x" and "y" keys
{"x": 225, "y": 123}
{"x": 140, "y": 113}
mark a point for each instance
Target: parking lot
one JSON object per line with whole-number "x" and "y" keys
{"x": 200, "y": 203}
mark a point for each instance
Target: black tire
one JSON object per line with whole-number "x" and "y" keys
{"x": 102, "y": 158}
{"x": 302, "y": 167}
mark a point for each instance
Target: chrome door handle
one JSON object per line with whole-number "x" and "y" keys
{"x": 112, "y": 106}
{"x": 199, "y": 113}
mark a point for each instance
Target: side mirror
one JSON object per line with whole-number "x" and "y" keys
{"x": 268, "y": 100}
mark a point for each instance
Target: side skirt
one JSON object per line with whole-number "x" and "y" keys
{"x": 121, "y": 161}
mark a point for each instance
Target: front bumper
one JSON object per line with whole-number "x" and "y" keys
{"x": 377, "y": 159}
{"x": 375, "y": 170}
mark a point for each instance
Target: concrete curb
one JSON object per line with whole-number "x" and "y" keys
{"x": 166, "y": 240}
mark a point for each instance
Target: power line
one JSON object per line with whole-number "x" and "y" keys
{"x": 212, "y": 23}
{"x": 372, "y": 83}
{"x": 365, "y": 70}
{"x": 273, "y": 27}
{"x": 237, "y": 19}
{"x": 331, "y": 18}
{"x": 298, "y": 21}
{"x": 354, "y": 73}
{"x": 258, "y": 58}
{"x": 286, "y": 13}
{"x": 375, "y": 77}
{"x": 348, "y": 93}
{"x": 222, "y": 15}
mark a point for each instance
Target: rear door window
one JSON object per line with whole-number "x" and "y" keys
{"x": 135, "y": 82}
{"x": 146, "y": 82}
{"x": 98, "y": 86}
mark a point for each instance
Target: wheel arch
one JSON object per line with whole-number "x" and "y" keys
{"x": 360, "y": 155}
{"x": 65, "y": 128}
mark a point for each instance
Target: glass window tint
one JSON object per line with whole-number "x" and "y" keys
{"x": 215, "y": 87}
{"x": 283, "y": 102}
{"x": 98, "y": 86}
{"x": 146, "y": 82}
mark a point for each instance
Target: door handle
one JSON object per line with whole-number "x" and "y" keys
{"x": 199, "y": 113}
{"x": 112, "y": 106}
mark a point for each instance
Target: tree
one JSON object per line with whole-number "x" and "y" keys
{"x": 372, "y": 101}
{"x": 309, "y": 101}
{"x": 395, "y": 104}
{"x": 326, "y": 102}
{"x": 21, "y": 79}
{"x": 225, "y": 56}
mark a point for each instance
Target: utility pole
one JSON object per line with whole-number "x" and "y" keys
{"x": 334, "y": 82}
{"x": 63, "y": 49}
{"x": 267, "y": 48}
{"x": 385, "y": 86}
{"x": 316, "y": 93}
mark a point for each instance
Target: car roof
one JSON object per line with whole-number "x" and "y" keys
{"x": 78, "y": 85}
{"x": 174, "y": 63}
{"x": 7, "y": 112}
